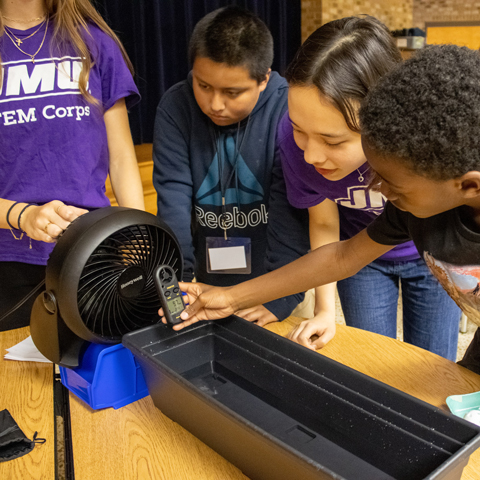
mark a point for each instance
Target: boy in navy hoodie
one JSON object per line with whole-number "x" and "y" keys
{"x": 216, "y": 167}
{"x": 420, "y": 133}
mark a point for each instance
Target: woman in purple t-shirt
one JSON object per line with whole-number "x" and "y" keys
{"x": 326, "y": 171}
{"x": 64, "y": 92}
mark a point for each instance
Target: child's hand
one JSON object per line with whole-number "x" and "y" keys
{"x": 47, "y": 222}
{"x": 258, "y": 314}
{"x": 205, "y": 303}
{"x": 316, "y": 332}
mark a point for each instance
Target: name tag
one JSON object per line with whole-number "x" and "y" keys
{"x": 232, "y": 255}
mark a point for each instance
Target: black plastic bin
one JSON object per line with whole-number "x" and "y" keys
{"x": 280, "y": 411}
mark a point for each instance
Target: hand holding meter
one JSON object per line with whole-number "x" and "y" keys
{"x": 170, "y": 294}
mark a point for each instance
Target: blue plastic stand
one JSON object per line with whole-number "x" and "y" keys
{"x": 108, "y": 376}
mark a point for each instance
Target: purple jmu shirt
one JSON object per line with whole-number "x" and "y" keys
{"x": 54, "y": 143}
{"x": 357, "y": 205}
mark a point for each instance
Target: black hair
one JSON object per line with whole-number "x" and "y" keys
{"x": 426, "y": 113}
{"x": 343, "y": 59}
{"x": 236, "y": 37}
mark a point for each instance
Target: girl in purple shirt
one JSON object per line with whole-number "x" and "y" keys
{"x": 64, "y": 93}
{"x": 326, "y": 171}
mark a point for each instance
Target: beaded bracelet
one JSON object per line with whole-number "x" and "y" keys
{"x": 10, "y": 225}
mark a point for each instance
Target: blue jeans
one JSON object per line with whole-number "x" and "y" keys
{"x": 430, "y": 317}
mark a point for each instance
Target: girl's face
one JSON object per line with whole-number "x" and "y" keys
{"x": 320, "y": 130}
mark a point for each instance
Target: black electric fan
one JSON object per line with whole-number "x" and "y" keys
{"x": 99, "y": 282}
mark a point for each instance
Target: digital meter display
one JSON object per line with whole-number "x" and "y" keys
{"x": 175, "y": 305}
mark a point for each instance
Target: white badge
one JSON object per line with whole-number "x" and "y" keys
{"x": 232, "y": 255}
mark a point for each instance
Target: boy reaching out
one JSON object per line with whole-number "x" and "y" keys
{"x": 420, "y": 134}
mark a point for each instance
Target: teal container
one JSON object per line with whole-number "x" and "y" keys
{"x": 460, "y": 405}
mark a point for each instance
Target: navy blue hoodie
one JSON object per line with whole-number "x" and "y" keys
{"x": 188, "y": 147}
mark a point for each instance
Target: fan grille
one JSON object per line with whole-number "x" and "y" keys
{"x": 102, "y": 308}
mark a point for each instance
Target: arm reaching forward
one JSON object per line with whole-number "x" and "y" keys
{"x": 324, "y": 265}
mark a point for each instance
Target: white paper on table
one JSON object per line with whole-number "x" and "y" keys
{"x": 25, "y": 351}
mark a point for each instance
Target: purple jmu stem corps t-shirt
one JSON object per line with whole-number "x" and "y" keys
{"x": 357, "y": 205}
{"x": 53, "y": 142}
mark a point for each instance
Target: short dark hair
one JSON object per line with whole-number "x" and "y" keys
{"x": 426, "y": 113}
{"x": 236, "y": 37}
{"x": 343, "y": 59}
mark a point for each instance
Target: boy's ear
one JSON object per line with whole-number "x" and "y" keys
{"x": 263, "y": 83}
{"x": 470, "y": 184}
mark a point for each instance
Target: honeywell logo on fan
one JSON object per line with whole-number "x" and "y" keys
{"x": 131, "y": 282}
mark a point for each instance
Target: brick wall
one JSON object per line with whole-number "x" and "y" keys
{"x": 445, "y": 11}
{"x": 311, "y": 17}
{"x": 395, "y": 14}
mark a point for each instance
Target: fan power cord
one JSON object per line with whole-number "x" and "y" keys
{"x": 23, "y": 300}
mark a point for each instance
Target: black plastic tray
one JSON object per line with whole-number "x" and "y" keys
{"x": 278, "y": 410}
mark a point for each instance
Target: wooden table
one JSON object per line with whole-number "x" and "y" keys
{"x": 26, "y": 391}
{"x": 139, "y": 442}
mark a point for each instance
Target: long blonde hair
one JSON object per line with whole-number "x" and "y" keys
{"x": 70, "y": 19}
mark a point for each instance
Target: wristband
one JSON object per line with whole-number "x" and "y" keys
{"x": 21, "y": 213}
{"x": 8, "y": 215}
